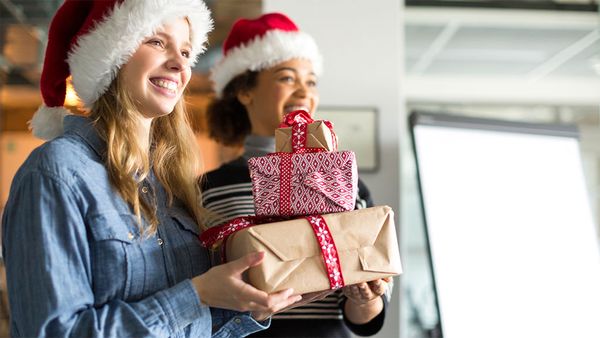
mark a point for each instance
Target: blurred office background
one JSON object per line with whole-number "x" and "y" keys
{"x": 529, "y": 60}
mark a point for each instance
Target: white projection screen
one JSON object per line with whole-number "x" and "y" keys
{"x": 512, "y": 241}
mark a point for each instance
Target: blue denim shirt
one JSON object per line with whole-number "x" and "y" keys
{"x": 76, "y": 263}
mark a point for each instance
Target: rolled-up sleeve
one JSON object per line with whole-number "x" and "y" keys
{"x": 49, "y": 275}
{"x": 233, "y": 324}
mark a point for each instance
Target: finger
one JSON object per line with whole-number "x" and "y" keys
{"x": 243, "y": 263}
{"x": 353, "y": 292}
{"x": 362, "y": 286}
{"x": 377, "y": 286}
{"x": 375, "y": 283}
{"x": 282, "y": 300}
{"x": 259, "y": 315}
{"x": 276, "y": 305}
{"x": 280, "y": 297}
{"x": 347, "y": 290}
{"x": 365, "y": 291}
{"x": 293, "y": 302}
{"x": 252, "y": 306}
{"x": 248, "y": 293}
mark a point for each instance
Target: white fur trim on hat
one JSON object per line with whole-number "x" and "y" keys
{"x": 263, "y": 52}
{"x": 47, "y": 122}
{"x": 99, "y": 54}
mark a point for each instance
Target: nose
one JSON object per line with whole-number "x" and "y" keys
{"x": 301, "y": 90}
{"x": 176, "y": 62}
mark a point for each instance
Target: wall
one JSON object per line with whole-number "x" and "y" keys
{"x": 361, "y": 44}
{"x": 15, "y": 147}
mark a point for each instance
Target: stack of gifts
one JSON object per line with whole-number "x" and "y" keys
{"x": 304, "y": 198}
{"x": 310, "y": 177}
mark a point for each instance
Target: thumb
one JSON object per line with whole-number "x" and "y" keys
{"x": 243, "y": 263}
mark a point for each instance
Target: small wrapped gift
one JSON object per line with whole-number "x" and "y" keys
{"x": 299, "y": 130}
{"x": 318, "y": 135}
{"x": 315, "y": 253}
{"x": 303, "y": 183}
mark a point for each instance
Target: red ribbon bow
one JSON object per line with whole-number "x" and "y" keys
{"x": 299, "y": 121}
{"x": 297, "y": 116}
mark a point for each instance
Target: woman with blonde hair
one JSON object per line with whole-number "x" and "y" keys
{"x": 100, "y": 231}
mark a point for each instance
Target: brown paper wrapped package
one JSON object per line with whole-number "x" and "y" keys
{"x": 365, "y": 239}
{"x": 319, "y": 136}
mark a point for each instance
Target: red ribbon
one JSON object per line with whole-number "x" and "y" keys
{"x": 328, "y": 250}
{"x": 331, "y": 259}
{"x": 297, "y": 116}
{"x": 212, "y": 236}
{"x": 299, "y": 120}
{"x": 285, "y": 184}
{"x": 286, "y": 167}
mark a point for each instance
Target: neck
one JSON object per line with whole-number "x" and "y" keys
{"x": 144, "y": 133}
{"x": 256, "y": 145}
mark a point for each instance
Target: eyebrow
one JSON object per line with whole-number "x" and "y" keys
{"x": 168, "y": 37}
{"x": 290, "y": 69}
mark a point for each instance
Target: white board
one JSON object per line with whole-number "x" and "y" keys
{"x": 512, "y": 241}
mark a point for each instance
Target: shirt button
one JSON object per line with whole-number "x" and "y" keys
{"x": 237, "y": 321}
{"x": 130, "y": 236}
{"x": 160, "y": 241}
{"x": 145, "y": 189}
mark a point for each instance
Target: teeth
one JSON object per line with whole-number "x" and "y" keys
{"x": 294, "y": 108}
{"x": 170, "y": 85}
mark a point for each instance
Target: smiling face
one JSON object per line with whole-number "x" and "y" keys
{"x": 285, "y": 87}
{"x": 159, "y": 70}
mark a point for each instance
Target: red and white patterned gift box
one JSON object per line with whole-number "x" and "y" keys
{"x": 307, "y": 183}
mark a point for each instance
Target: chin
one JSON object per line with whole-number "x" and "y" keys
{"x": 165, "y": 113}
{"x": 164, "y": 110}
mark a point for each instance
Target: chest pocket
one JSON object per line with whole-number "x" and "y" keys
{"x": 112, "y": 236}
{"x": 191, "y": 256}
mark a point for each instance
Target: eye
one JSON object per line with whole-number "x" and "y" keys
{"x": 287, "y": 79}
{"x": 155, "y": 42}
{"x": 311, "y": 83}
{"x": 186, "y": 54}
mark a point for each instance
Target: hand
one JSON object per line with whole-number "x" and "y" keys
{"x": 363, "y": 293}
{"x": 309, "y": 298}
{"x": 364, "y": 300}
{"x": 222, "y": 286}
{"x": 305, "y": 299}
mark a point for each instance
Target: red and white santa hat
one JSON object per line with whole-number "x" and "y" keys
{"x": 261, "y": 43}
{"x": 90, "y": 40}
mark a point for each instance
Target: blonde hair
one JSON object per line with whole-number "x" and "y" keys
{"x": 174, "y": 155}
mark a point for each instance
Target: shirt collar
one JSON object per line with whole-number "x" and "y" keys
{"x": 84, "y": 128}
{"x": 255, "y": 146}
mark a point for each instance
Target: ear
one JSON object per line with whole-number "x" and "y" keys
{"x": 245, "y": 97}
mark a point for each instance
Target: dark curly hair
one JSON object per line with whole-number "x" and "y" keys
{"x": 227, "y": 118}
